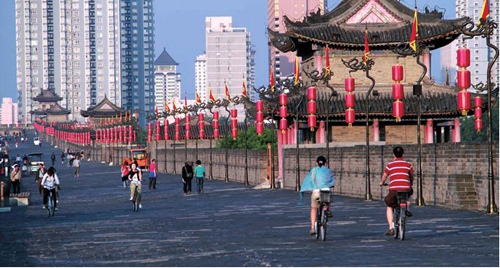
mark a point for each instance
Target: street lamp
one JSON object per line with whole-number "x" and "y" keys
{"x": 485, "y": 29}
{"x": 355, "y": 65}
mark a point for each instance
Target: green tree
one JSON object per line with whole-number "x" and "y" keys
{"x": 469, "y": 134}
{"x": 255, "y": 142}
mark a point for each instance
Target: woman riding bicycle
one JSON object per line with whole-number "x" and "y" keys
{"x": 135, "y": 178}
{"x": 49, "y": 183}
{"x": 320, "y": 177}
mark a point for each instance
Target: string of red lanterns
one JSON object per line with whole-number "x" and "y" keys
{"x": 201, "y": 126}
{"x": 350, "y": 101}
{"x": 215, "y": 123}
{"x": 259, "y": 118}
{"x": 478, "y": 113}
{"x": 397, "y": 92}
{"x": 463, "y": 79}
{"x": 234, "y": 123}
{"x": 283, "y": 112}
{"x": 311, "y": 108}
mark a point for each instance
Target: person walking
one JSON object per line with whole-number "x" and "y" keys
{"x": 152, "y": 174}
{"x": 319, "y": 178}
{"x": 125, "y": 169}
{"x": 15, "y": 178}
{"x": 77, "y": 163}
{"x": 199, "y": 173}
{"x": 187, "y": 177}
{"x": 49, "y": 182}
{"x": 62, "y": 157}
{"x": 53, "y": 158}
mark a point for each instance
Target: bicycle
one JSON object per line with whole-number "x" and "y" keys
{"x": 136, "y": 200}
{"x": 321, "y": 224}
{"x": 400, "y": 215}
{"x": 50, "y": 204}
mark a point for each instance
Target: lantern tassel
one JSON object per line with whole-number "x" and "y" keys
{"x": 464, "y": 112}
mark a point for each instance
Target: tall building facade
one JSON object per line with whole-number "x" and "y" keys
{"x": 229, "y": 60}
{"x": 480, "y": 53}
{"x": 167, "y": 81}
{"x": 84, "y": 50}
{"x": 283, "y": 63}
{"x": 9, "y": 112}
{"x": 200, "y": 77}
{"x": 137, "y": 57}
{"x": 69, "y": 47}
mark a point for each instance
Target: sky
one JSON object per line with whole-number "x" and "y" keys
{"x": 180, "y": 29}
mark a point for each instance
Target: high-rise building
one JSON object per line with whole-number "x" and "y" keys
{"x": 229, "y": 60}
{"x": 167, "y": 81}
{"x": 283, "y": 63}
{"x": 137, "y": 57}
{"x": 200, "y": 77}
{"x": 84, "y": 50}
{"x": 69, "y": 47}
{"x": 9, "y": 112}
{"x": 480, "y": 54}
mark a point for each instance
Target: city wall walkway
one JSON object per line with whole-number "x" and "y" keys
{"x": 228, "y": 225}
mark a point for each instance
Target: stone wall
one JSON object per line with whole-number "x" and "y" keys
{"x": 447, "y": 168}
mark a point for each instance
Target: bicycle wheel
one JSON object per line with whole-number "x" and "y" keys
{"x": 396, "y": 222}
{"x": 317, "y": 224}
{"x": 402, "y": 223}
{"x": 324, "y": 225}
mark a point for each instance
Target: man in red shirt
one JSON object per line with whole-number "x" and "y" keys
{"x": 400, "y": 174}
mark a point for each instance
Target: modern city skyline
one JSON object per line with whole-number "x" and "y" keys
{"x": 283, "y": 63}
{"x": 167, "y": 81}
{"x": 71, "y": 49}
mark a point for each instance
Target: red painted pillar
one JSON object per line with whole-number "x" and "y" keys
{"x": 429, "y": 132}
{"x": 456, "y": 131}
{"x": 376, "y": 132}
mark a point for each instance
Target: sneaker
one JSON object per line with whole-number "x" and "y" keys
{"x": 57, "y": 201}
{"x": 131, "y": 199}
{"x": 55, "y": 209}
{"x": 408, "y": 214}
{"x": 312, "y": 231}
{"x": 140, "y": 205}
{"x": 329, "y": 214}
{"x": 390, "y": 232}
{"x": 44, "y": 207}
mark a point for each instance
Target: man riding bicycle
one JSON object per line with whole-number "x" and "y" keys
{"x": 319, "y": 178}
{"x": 400, "y": 174}
{"x": 135, "y": 178}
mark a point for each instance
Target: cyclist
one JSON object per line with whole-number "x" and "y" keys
{"x": 400, "y": 174}
{"x": 135, "y": 178}
{"x": 320, "y": 177}
{"x": 49, "y": 182}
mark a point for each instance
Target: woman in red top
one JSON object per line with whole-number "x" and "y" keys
{"x": 152, "y": 175}
{"x": 125, "y": 170}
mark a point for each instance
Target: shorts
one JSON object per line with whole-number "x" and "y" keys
{"x": 314, "y": 199}
{"x": 391, "y": 200}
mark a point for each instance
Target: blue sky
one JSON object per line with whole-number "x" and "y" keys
{"x": 180, "y": 28}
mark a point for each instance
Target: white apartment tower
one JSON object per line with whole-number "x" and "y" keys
{"x": 229, "y": 60}
{"x": 480, "y": 53}
{"x": 71, "y": 47}
{"x": 167, "y": 81}
{"x": 200, "y": 77}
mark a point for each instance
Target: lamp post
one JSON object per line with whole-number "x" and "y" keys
{"x": 405, "y": 50}
{"x": 485, "y": 29}
{"x": 355, "y": 65}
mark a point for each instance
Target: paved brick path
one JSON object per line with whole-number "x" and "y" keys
{"x": 229, "y": 225}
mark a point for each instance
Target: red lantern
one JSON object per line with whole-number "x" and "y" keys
{"x": 311, "y": 108}
{"x": 478, "y": 125}
{"x": 463, "y": 79}
{"x": 397, "y": 72}
{"x": 188, "y": 126}
{"x": 463, "y": 57}
{"x": 259, "y": 117}
{"x": 463, "y": 101}
{"x": 311, "y": 121}
{"x": 283, "y": 125}
{"x": 349, "y": 84}
{"x": 350, "y": 100}
{"x": 157, "y": 130}
{"x": 259, "y": 126}
{"x": 149, "y": 132}
{"x": 201, "y": 126}
{"x": 130, "y": 130}
{"x": 350, "y": 116}
{"x": 478, "y": 113}
{"x": 397, "y": 91}
{"x": 177, "y": 129}
{"x": 234, "y": 123}
{"x": 215, "y": 123}
{"x": 398, "y": 110}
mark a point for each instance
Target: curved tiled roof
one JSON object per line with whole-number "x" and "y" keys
{"x": 105, "y": 108}
{"x": 47, "y": 95}
{"x": 332, "y": 30}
